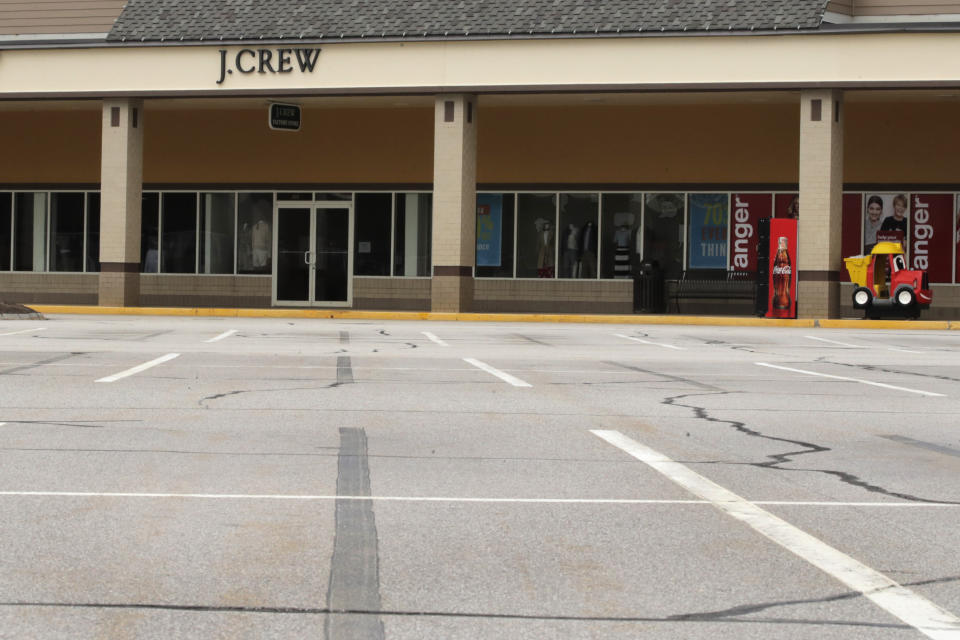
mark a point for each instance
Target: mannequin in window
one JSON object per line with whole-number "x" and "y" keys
{"x": 621, "y": 242}
{"x": 570, "y": 246}
{"x": 260, "y": 241}
{"x": 545, "y": 261}
{"x": 588, "y": 251}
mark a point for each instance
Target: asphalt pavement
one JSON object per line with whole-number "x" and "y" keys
{"x": 208, "y": 477}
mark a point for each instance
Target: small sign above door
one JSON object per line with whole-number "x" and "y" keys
{"x": 284, "y": 117}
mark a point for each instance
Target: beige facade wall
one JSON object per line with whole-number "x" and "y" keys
{"x": 49, "y": 288}
{"x": 204, "y": 291}
{"x": 708, "y": 62}
{"x": 553, "y": 296}
{"x": 18, "y": 17}
{"x": 392, "y": 294}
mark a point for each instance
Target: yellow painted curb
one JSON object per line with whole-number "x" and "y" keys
{"x": 349, "y": 314}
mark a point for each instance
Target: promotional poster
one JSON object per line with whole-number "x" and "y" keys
{"x": 886, "y": 218}
{"x": 708, "y": 231}
{"x": 786, "y": 205}
{"x": 783, "y": 269}
{"x": 489, "y": 227}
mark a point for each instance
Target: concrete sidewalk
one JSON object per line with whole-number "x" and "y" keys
{"x": 734, "y": 321}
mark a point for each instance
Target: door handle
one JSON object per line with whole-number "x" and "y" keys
{"x": 306, "y": 257}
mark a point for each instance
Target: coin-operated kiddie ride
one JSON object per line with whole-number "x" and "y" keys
{"x": 884, "y": 285}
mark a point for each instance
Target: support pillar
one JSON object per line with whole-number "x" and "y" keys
{"x": 121, "y": 185}
{"x": 454, "y": 202}
{"x": 819, "y": 264}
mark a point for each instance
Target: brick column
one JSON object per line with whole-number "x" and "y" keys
{"x": 121, "y": 184}
{"x": 821, "y": 189}
{"x": 454, "y": 202}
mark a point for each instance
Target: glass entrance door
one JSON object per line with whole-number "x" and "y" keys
{"x": 313, "y": 255}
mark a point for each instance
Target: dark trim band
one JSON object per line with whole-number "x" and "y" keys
{"x": 119, "y": 267}
{"x": 819, "y": 276}
{"x": 463, "y": 272}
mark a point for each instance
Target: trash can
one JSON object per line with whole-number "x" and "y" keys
{"x": 648, "y": 289}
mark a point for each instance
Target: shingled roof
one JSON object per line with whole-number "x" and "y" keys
{"x": 195, "y": 20}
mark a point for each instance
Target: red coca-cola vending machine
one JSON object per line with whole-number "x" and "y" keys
{"x": 782, "y": 278}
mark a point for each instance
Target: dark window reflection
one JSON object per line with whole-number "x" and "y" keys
{"x": 372, "y": 234}
{"x": 179, "y": 230}
{"x": 66, "y": 231}
{"x": 93, "y": 232}
{"x": 150, "y": 233}
{"x": 6, "y": 202}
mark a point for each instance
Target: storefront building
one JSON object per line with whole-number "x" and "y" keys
{"x": 525, "y": 157}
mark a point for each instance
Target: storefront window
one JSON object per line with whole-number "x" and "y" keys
{"x": 6, "y": 233}
{"x": 255, "y": 233}
{"x": 663, "y": 232}
{"x": 66, "y": 231}
{"x": 372, "y": 218}
{"x": 30, "y": 232}
{"x": 93, "y": 232}
{"x": 578, "y": 235}
{"x": 495, "y": 217}
{"x": 216, "y": 232}
{"x": 708, "y": 220}
{"x": 536, "y": 235}
{"x": 150, "y": 233}
{"x": 412, "y": 234}
{"x": 621, "y": 242}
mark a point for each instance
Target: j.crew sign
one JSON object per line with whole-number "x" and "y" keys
{"x": 268, "y": 61}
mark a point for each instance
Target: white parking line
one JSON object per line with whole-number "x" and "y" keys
{"x": 658, "y": 344}
{"x": 139, "y": 368}
{"x": 915, "y": 610}
{"x": 13, "y": 333}
{"x": 435, "y": 338}
{"x": 612, "y": 501}
{"x": 870, "y": 382}
{"x": 506, "y": 377}
{"x": 225, "y": 334}
{"x": 842, "y": 344}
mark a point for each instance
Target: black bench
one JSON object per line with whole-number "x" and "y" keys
{"x": 714, "y": 284}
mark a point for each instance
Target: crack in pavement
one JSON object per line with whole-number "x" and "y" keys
{"x": 376, "y": 613}
{"x": 747, "y": 609}
{"x": 34, "y": 365}
{"x": 872, "y": 367}
{"x": 806, "y": 448}
{"x": 217, "y": 396}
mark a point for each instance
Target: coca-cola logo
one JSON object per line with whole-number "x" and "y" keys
{"x": 783, "y": 270}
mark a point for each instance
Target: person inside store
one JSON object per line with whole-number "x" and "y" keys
{"x": 872, "y": 222}
{"x": 898, "y": 221}
{"x": 793, "y": 209}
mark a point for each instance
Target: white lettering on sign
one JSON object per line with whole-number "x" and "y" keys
{"x": 922, "y": 234}
{"x": 743, "y": 231}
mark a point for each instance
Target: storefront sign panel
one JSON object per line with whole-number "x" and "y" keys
{"x": 708, "y": 231}
{"x": 272, "y": 61}
{"x": 748, "y": 208}
{"x": 930, "y": 246}
{"x": 489, "y": 229}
